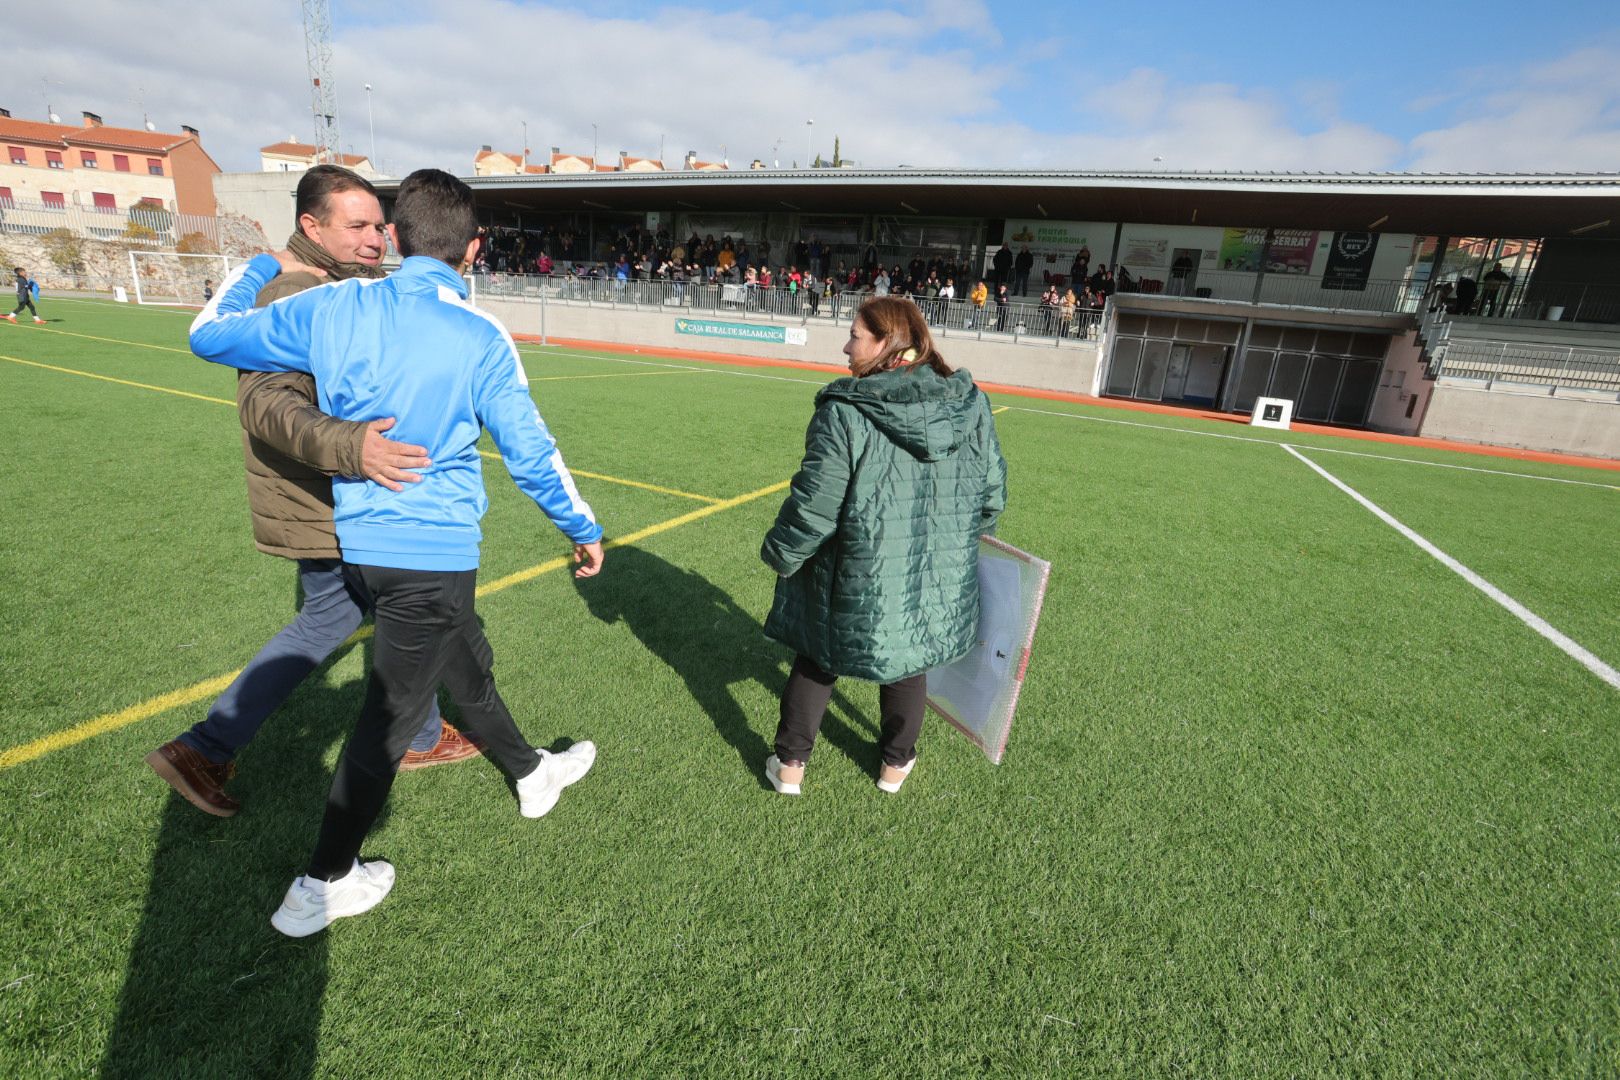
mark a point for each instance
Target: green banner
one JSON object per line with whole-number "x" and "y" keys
{"x": 775, "y": 335}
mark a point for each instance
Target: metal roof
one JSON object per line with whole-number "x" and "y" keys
{"x": 1457, "y": 204}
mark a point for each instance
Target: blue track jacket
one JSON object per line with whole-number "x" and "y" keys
{"x": 408, "y": 346}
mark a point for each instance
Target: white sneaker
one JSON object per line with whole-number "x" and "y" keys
{"x": 890, "y": 777}
{"x": 11, "y": 318}
{"x": 38, "y": 319}
{"x": 538, "y": 792}
{"x": 773, "y": 773}
{"x": 311, "y": 906}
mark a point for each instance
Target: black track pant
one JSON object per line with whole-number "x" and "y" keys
{"x": 427, "y": 634}
{"x": 26, "y": 302}
{"x": 804, "y": 703}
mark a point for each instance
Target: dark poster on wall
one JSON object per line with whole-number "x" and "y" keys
{"x": 1349, "y": 261}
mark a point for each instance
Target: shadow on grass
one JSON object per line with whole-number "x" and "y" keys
{"x": 211, "y": 989}
{"x": 702, "y": 634}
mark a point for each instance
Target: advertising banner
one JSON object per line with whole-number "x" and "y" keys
{"x": 1140, "y": 253}
{"x": 773, "y": 335}
{"x": 1055, "y": 243}
{"x": 1290, "y": 252}
{"x": 1349, "y": 261}
{"x": 1241, "y": 248}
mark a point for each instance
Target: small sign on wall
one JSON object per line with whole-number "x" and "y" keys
{"x": 1272, "y": 412}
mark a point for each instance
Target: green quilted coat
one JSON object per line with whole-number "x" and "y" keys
{"x": 877, "y": 543}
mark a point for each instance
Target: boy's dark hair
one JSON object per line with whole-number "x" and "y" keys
{"x": 434, "y": 216}
{"x": 317, "y": 185}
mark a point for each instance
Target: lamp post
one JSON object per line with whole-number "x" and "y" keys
{"x": 593, "y": 148}
{"x": 809, "y": 139}
{"x": 371, "y": 124}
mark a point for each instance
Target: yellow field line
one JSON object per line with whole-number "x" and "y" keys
{"x": 113, "y": 340}
{"x": 18, "y": 755}
{"x": 120, "y": 382}
{"x": 626, "y": 483}
{"x": 999, "y": 409}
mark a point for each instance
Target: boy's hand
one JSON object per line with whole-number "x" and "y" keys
{"x": 589, "y": 557}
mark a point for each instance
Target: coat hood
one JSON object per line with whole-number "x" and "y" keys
{"x": 927, "y": 415}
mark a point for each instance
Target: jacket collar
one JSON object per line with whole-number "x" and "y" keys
{"x": 433, "y": 272}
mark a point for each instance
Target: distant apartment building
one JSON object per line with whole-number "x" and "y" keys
{"x": 492, "y": 162}
{"x": 110, "y": 169}
{"x": 294, "y": 156}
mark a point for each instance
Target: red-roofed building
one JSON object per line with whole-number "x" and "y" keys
{"x": 294, "y": 156}
{"x": 111, "y": 169}
{"x": 491, "y": 162}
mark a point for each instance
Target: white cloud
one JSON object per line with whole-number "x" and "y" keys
{"x": 920, "y": 82}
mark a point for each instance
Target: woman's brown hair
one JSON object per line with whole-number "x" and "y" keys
{"x": 904, "y": 333}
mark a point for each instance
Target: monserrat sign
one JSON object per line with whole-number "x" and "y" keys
{"x": 771, "y": 335}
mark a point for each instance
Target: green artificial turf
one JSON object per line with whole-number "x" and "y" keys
{"x": 1284, "y": 796}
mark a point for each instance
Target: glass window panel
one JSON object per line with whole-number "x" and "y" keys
{"x": 1322, "y": 380}
{"x": 1371, "y": 345}
{"x": 1134, "y": 325}
{"x": 1122, "y": 371}
{"x": 1333, "y": 343}
{"x": 1288, "y": 376}
{"x": 1355, "y": 392}
{"x": 1159, "y": 326}
{"x": 1299, "y": 339}
{"x": 1267, "y": 337}
{"x": 1224, "y": 333}
{"x": 1255, "y": 378}
{"x": 1155, "y": 362}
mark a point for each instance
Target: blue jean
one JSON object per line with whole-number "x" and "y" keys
{"x": 330, "y": 613}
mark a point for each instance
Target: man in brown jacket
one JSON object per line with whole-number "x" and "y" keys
{"x": 293, "y": 449}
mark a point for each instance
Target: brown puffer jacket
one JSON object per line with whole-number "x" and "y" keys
{"x": 292, "y": 448}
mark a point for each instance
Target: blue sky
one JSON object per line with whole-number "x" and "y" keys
{"x": 1493, "y": 87}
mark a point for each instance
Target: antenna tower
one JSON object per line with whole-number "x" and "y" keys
{"x": 323, "y": 91}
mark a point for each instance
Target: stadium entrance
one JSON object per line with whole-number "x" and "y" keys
{"x": 1165, "y": 351}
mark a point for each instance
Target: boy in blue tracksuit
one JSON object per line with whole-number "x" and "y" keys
{"x": 411, "y": 347}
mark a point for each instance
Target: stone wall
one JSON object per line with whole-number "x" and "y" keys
{"x": 61, "y": 260}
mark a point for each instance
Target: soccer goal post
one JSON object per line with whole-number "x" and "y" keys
{"x": 175, "y": 278}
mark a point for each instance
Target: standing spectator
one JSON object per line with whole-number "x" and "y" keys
{"x": 818, "y": 258}
{"x": 1467, "y": 290}
{"x": 876, "y": 547}
{"x": 1003, "y": 300}
{"x": 947, "y": 299}
{"x": 1003, "y": 263}
{"x": 1049, "y": 305}
{"x": 1021, "y": 268}
{"x": 26, "y": 291}
{"x": 1066, "y": 312}
{"x": 979, "y": 297}
{"x": 1495, "y": 282}
{"x": 1081, "y": 267}
{"x": 880, "y": 283}
{"x": 1180, "y": 270}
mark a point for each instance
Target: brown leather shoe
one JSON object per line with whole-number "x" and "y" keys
{"x": 452, "y": 746}
{"x": 198, "y": 780}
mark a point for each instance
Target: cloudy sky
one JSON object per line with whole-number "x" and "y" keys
{"x": 1487, "y": 86}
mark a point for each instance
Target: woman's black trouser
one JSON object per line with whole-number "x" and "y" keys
{"x": 804, "y": 703}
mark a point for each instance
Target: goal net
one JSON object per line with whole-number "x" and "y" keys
{"x": 173, "y": 278}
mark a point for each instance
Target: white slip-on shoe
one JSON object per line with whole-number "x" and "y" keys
{"x": 890, "y": 777}
{"x": 784, "y": 784}
{"x": 539, "y": 791}
{"x": 308, "y": 908}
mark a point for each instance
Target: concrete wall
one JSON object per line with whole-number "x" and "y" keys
{"x": 263, "y": 198}
{"x": 1398, "y": 384}
{"x": 76, "y": 185}
{"x": 1039, "y": 366}
{"x": 1572, "y": 422}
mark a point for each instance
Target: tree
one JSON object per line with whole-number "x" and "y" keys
{"x": 838, "y": 158}
{"x": 196, "y": 243}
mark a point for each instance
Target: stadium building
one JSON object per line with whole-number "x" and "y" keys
{"x": 1481, "y": 308}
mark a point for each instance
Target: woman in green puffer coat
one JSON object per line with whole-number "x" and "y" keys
{"x": 877, "y": 544}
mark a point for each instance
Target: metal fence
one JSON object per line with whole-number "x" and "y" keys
{"x": 141, "y": 226}
{"x": 1018, "y": 321}
{"x": 1538, "y": 365}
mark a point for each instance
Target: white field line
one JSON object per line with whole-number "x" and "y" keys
{"x": 1518, "y": 610}
{"x": 1324, "y": 449}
